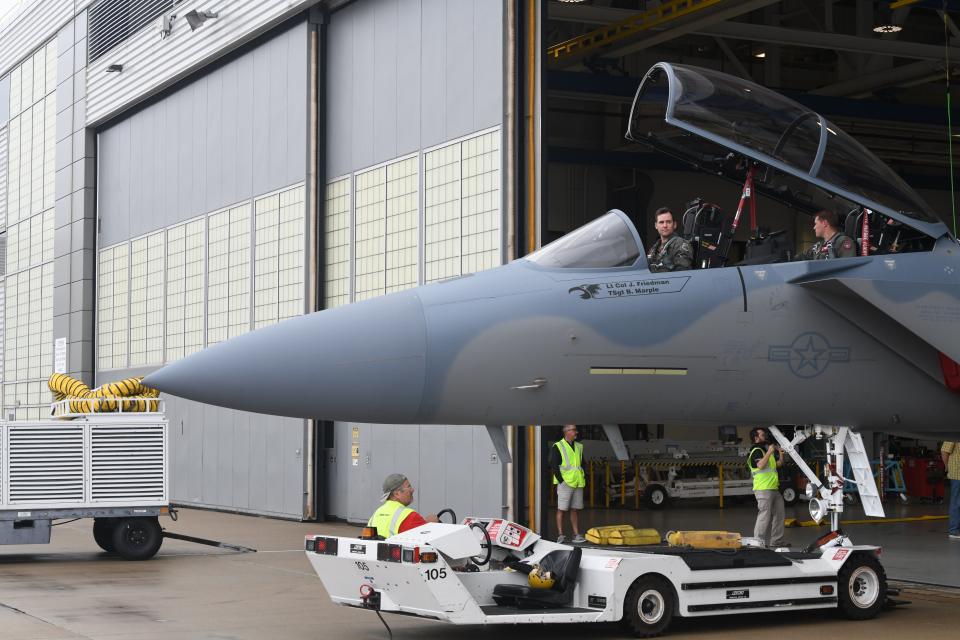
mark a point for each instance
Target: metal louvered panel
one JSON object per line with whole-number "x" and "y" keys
{"x": 45, "y": 464}
{"x": 113, "y": 21}
{"x": 127, "y": 462}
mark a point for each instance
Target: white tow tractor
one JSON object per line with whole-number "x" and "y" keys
{"x": 475, "y": 572}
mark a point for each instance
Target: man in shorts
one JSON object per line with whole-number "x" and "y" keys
{"x": 566, "y": 466}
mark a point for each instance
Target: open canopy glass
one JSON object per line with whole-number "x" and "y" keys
{"x": 713, "y": 121}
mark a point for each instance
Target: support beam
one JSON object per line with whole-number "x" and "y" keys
{"x": 867, "y": 84}
{"x": 588, "y": 14}
{"x": 499, "y": 440}
{"x": 732, "y": 58}
{"x": 833, "y": 41}
{"x": 615, "y": 437}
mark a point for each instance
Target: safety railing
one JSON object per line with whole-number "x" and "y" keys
{"x": 128, "y": 405}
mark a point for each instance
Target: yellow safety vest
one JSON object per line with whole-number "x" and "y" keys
{"x": 766, "y": 478}
{"x": 388, "y": 517}
{"x": 571, "y": 464}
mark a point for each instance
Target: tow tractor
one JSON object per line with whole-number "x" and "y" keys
{"x": 475, "y": 572}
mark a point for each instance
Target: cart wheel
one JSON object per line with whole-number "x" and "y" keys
{"x": 862, "y": 587}
{"x": 656, "y": 496}
{"x": 137, "y": 538}
{"x": 648, "y": 607}
{"x": 790, "y": 496}
{"x": 103, "y": 533}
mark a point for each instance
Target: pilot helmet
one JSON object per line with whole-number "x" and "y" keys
{"x": 540, "y": 579}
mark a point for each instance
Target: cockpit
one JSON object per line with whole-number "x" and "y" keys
{"x": 776, "y": 151}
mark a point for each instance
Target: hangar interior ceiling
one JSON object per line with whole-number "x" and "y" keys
{"x": 888, "y": 90}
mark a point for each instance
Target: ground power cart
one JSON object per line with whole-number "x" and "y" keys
{"x": 109, "y": 467}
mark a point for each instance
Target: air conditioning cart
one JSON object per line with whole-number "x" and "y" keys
{"x": 111, "y": 467}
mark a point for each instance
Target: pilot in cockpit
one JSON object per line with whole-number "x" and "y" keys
{"x": 671, "y": 252}
{"x": 832, "y": 242}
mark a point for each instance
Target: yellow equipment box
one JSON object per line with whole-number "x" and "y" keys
{"x": 601, "y": 535}
{"x": 705, "y": 539}
{"x": 635, "y": 537}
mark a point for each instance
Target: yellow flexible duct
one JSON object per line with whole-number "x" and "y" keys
{"x": 84, "y": 400}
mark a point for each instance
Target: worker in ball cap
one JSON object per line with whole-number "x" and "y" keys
{"x": 395, "y": 515}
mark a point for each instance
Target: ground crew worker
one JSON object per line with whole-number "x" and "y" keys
{"x": 566, "y": 466}
{"x": 671, "y": 252}
{"x": 832, "y": 243}
{"x": 950, "y": 453}
{"x": 395, "y": 515}
{"x": 763, "y": 464}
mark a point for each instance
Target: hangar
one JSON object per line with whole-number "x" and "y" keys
{"x": 174, "y": 174}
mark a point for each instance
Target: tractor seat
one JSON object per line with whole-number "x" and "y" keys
{"x": 564, "y": 565}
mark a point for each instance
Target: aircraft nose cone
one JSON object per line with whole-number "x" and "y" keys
{"x": 363, "y": 362}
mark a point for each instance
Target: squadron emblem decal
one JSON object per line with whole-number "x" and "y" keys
{"x": 809, "y": 355}
{"x": 630, "y": 288}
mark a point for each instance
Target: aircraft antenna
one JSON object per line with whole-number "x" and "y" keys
{"x": 946, "y": 54}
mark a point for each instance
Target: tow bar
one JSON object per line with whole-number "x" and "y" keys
{"x": 211, "y": 543}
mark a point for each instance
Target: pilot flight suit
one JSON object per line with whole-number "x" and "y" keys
{"x": 675, "y": 254}
{"x": 839, "y": 246}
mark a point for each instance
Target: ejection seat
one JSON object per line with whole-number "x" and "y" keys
{"x": 707, "y": 228}
{"x": 563, "y": 564}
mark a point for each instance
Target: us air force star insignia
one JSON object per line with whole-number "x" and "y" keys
{"x": 809, "y": 355}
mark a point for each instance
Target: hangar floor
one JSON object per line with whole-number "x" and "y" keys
{"x": 69, "y": 589}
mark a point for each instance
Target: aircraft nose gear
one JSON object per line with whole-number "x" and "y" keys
{"x": 827, "y": 494}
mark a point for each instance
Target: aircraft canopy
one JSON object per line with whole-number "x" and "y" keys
{"x": 609, "y": 241}
{"x": 707, "y": 118}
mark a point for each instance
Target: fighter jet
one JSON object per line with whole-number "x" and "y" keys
{"x": 581, "y": 331}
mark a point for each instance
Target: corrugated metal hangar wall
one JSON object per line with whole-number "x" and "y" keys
{"x": 414, "y": 89}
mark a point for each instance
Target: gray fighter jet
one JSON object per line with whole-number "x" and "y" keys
{"x": 582, "y": 332}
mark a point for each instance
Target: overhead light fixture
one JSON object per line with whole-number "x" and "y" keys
{"x": 196, "y": 18}
{"x": 573, "y": 1}
{"x": 888, "y": 28}
{"x": 760, "y": 54}
{"x": 165, "y": 25}
{"x": 114, "y": 68}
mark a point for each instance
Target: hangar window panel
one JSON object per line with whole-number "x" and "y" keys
{"x": 266, "y": 268}
{"x": 337, "y": 244}
{"x": 49, "y": 151}
{"x": 48, "y": 221}
{"x": 112, "y": 314}
{"x": 15, "y": 91}
{"x": 39, "y": 74}
{"x": 26, "y": 155}
{"x": 291, "y": 258}
{"x": 239, "y": 304}
{"x": 105, "y": 277}
{"x": 370, "y": 229}
{"x": 11, "y": 328}
{"x": 481, "y": 203}
{"x": 46, "y": 324}
{"x": 13, "y": 246}
{"x": 51, "y": 66}
{"x": 442, "y": 213}
{"x": 36, "y": 159}
{"x": 193, "y": 287}
{"x": 402, "y": 242}
{"x": 35, "y": 323}
{"x": 13, "y": 170}
{"x": 26, "y": 84}
{"x": 218, "y": 252}
{"x": 3, "y": 177}
{"x": 146, "y": 300}
{"x": 176, "y": 272}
